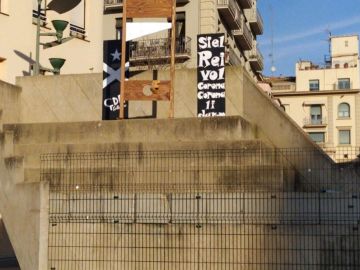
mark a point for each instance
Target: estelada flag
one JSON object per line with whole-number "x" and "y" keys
{"x": 111, "y": 79}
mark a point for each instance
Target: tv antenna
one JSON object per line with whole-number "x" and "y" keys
{"x": 271, "y": 55}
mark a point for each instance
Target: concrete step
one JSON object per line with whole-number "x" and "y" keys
{"x": 134, "y": 131}
{"x": 244, "y": 152}
{"x": 237, "y": 208}
{"x": 144, "y": 179}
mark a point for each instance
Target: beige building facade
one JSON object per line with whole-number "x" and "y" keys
{"x": 92, "y": 22}
{"x": 83, "y": 54}
{"x": 239, "y": 20}
{"x": 325, "y": 99}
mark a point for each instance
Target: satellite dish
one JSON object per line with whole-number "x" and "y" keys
{"x": 63, "y": 6}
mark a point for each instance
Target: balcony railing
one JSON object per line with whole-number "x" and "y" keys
{"x": 157, "y": 51}
{"x": 42, "y": 17}
{"x": 234, "y": 60}
{"x": 245, "y": 3}
{"x": 230, "y": 12}
{"x": 112, "y": 4}
{"x": 343, "y": 86}
{"x": 255, "y": 20}
{"x": 311, "y": 121}
{"x": 256, "y": 59}
{"x": 243, "y": 36}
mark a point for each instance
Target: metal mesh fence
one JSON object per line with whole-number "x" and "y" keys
{"x": 202, "y": 209}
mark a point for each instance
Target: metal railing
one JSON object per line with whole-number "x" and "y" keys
{"x": 246, "y": 208}
{"x": 159, "y": 48}
{"x": 234, "y": 9}
{"x": 246, "y": 31}
{"x": 113, "y": 2}
{"x": 308, "y": 121}
{"x": 234, "y": 59}
{"x": 259, "y": 18}
{"x": 346, "y": 86}
{"x": 255, "y": 54}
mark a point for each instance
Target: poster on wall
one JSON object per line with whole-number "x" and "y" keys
{"x": 211, "y": 75}
{"x": 111, "y": 79}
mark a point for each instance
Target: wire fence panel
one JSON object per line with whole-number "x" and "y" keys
{"x": 202, "y": 209}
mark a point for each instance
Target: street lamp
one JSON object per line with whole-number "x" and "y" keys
{"x": 59, "y": 26}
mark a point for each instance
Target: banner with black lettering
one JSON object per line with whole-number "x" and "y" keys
{"x": 111, "y": 79}
{"x": 211, "y": 75}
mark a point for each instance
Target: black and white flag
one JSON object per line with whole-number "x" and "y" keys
{"x": 111, "y": 79}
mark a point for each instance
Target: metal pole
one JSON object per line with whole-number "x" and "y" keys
{"x": 37, "y": 64}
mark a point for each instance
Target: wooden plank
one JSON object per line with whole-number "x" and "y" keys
{"x": 123, "y": 62}
{"x": 172, "y": 66}
{"x": 143, "y": 90}
{"x": 149, "y": 8}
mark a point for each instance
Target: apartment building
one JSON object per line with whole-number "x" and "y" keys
{"x": 92, "y": 22}
{"x": 239, "y": 20}
{"x": 325, "y": 99}
{"x": 83, "y": 53}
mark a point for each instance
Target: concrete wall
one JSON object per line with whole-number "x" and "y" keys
{"x": 9, "y": 103}
{"x": 65, "y": 98}
{"x": 73, "y": 98}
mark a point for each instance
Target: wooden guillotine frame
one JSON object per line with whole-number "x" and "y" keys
{"x": 134, "y": 89}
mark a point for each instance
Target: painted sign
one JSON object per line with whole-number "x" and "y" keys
{"x": 111, "y": 79}
{"x": 211, "y": 75}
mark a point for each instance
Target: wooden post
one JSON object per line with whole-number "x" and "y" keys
{"x": 123, "y": 62}
{"x": 172, "y": 67}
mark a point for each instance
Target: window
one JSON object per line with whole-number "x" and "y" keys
{"x": 344, "y": 83}
{"x": 344, "y": 110}
{"x": 318, "y": 137}
{"x": 344, "y": 137}
{"x": 77, "y": 21}
{"x": 346, "y": 43}
{"x": 118, "y": 27}
{"x": 315, "y": 114}
{"x": 314, "y": 85}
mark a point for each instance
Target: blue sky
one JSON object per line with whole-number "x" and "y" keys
{"x": 301, "y": 28}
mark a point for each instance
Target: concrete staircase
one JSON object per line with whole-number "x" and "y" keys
{"x": 244, "y": 188}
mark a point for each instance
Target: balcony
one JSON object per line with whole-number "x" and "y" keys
{"x": 346, "y": 85}
{"x": 233, "y": 59}
{"x": 156, "y": 52}
{"x": 110, "y": 5}
{"x": 230, "y": 13}
{"x": 42, "y": 17}
{"x": 245, "y": 3}
{"x": 256, "y": 59}
{"x": 243, "y": 36}
{"x": 255, "y": 20}
{"x": 314, "y": 122}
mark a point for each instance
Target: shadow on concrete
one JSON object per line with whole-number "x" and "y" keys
{"x": 8, "y": 259}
